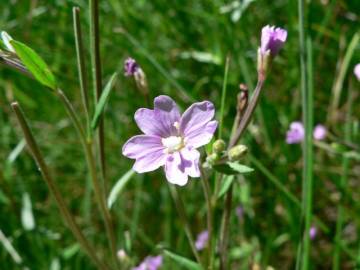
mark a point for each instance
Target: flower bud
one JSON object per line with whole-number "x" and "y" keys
{"x": 218, "y": 146}
{"x": 212, "y": 158}
{"x": 237, "y": 152}
{"x": 132, "y": 68}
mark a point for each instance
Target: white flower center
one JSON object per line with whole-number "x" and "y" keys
{"x": 172, "y": 143}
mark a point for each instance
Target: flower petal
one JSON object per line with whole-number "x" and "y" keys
{"x": 190, "y": 161}
{"x": 166, "y": 114}
{"x": 148, "y": 122}
{"x": 196, "y": 116}
{"x": 202, "y": 135}
{"x": 141, "y": 145}
{"x": 175, "y": 172}
{"x": 150, "y": 162}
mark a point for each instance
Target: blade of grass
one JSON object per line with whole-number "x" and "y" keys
{"x": 223, "y": 96}
{"x": 343, "y": 181}
{"x": 38, "y": 157}
{"x": 339, "y": 80}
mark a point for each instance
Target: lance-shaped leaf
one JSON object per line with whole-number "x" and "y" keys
{"x": 118, "y": 187}
{"x": 35, "y": 64}
{"x": 230, "y": 168}
{"x": 102, "y": 102}
{"x": 182, "y": 261}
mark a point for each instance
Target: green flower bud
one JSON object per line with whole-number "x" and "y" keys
{"x": 218, "y": 146}
{"x": 237, "y": 152}
{"x": 212, "y": 158}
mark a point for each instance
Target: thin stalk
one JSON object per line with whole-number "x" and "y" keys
{"x": 69, "y": 219}
{"x": 90, "y": 159}
{"x": 343, "y": 181}
{"x": 248, "y": 113}
{"x": 96, "y": 73}
{"x": 80, "y": 53}
{"x": 223, "y": 96}
{"x": 207, "y": 193}
{"x": 224, "y": 233}
{"x": 181, "y": 211}
{"x": 307, "y": 106}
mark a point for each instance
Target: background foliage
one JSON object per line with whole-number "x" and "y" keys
{"x": 182, "y": 47}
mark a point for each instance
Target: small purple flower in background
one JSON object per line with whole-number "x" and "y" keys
{"x": 130, "y": 67}
{"x": 202, "y": 240}
{"x": 319, "y": 132}
{"x": 272, "y": 39}
{"x": 312, "y": 232}
{"x": 239, "y": 212}
{"x": 296, "y": 133}
{"x": 171, "y": 139}
{"x": 150, "y": 263}
{"x": 357, "y": 71}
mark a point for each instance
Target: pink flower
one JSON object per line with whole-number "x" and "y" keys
{"x": 201, "y": 240}
{"x": 296, "y": 133}
{"x": 319, "y": 132}
{"x": 171, "y": 139}
{"x": 272, "y": 39}
{"x": 357, "y": 71}
{"x": 150, "y": 263}
{"x": 312, "y": 232}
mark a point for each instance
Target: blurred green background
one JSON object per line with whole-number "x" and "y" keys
{"x": 182, "y": 47}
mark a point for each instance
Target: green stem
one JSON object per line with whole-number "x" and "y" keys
{"x": 343, "y": 181}
{"x": 181, "y": 211}
{"x": 223, "y": 96}
{"x": 96, "y": 72}
{"x": 207, "y": 193}
{"x": 224, "y": 233}
{"x": 80, "y": 53}
{"x": 38, "y": 157}
{"x": 307, "y": 105}
{"x": 90, "y": 159}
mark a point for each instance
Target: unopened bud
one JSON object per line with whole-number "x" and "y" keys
{"x": 122, "y": 256}
{"x": 218, "y": 146}
{"x": 237, "y": 152}
{"x": 242, "y": 98}
{"x": 141, "y": 82}
{"x": 212, "y": 158}
{"x": 6, "y": 38}
{"x": 263, "y": 61}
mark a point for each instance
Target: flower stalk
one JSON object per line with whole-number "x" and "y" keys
{"x": 181, "y": 211}
{"x": 96, "y": 74}
{"x": 91, "y": 162}
{"x": 81, "y": 65}
{"x": 38, "y": 157}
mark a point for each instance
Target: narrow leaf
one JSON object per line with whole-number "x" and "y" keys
{"x": 35, "y": 64}
{"x": 182, "y": 261}
{"x": 118, "y": 187}
{"x": 102, "y": 102}
{"x": 225, "y": 185}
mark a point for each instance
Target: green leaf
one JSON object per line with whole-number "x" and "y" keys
{"x": 34, "y": 63}
{"x": 231, "y": 168}
{"x": 102, "y": 102}
{"x": 182, "y": 261}
{"x": 225, "y": 185}
{"x": 118, "y": 187}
